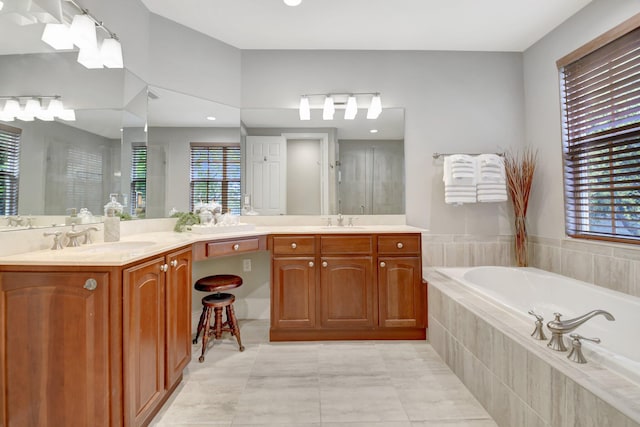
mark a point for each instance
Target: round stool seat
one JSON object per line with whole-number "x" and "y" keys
{"x": 218, "y": 300}
{"x": 218, "y": 283}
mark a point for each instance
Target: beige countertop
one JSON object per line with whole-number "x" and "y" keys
{"x": 135, "y": 247}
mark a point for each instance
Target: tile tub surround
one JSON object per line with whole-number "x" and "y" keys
{"x": 610, "y": 265}
{"x": 303, "y": 384}
{"x": 516, "y": 378}
{"x": 464, "y": 250}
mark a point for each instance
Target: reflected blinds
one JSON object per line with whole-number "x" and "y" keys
{"x": 601, "y": 141}
{"x": 84, "y": 179}
{"x": 138, "y": 178}
{"x": 215, "y": 175}
{"x": 9, "y": 169}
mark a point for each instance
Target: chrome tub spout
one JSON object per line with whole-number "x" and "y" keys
{"x": 560, "y": 327}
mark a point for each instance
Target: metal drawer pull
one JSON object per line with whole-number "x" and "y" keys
{"x": 164, "y": 267}
{"x": 90, "y": 284}
{"x": 383, "y": 264}
{"x": 293, "y": 246}
{"x": 174, "y": 263}
{"x": 311, "y": 264}
{"x": 324, "y": 263}
{"x": 400, "y": 245}
{"x": 236, "y": 247}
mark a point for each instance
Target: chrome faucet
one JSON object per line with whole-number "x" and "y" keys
{"x": 57, "y": 241}
{"x": 560, "y": 327}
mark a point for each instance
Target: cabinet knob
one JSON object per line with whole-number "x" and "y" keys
{"x": 399, "y": 245}
{"x": 324, "y": 263}
{"x": 383, "y": 264}
{"x": 164, "y": 267}
{"x": 236, "y": 247}
{"x": 293, "y": 245}
{"x": 174, "y": 263}
{"x": 90, "y": 284}
{"x": 311, "y": 264}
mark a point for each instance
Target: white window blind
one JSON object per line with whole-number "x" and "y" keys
{"x": 215, "y": 175}
{"x": 9, "y": 169}
{"x": 138, "y": 179}
{"x": 84, "y": 179}
{"x": 601, "y": 141}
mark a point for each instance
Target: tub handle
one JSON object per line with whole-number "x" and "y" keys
{"x": 576, "y": 348}
{"x": 538, "y": 331}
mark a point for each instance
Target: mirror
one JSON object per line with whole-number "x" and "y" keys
{"x": 175, "y": 121}
{"x": 66, "y": 166}
{"x": 319, "y": 167}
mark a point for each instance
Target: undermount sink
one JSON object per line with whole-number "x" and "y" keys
{"x": 115, "y": 247}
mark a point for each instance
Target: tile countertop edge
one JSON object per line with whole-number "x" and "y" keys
{"x": 168, "y": 240}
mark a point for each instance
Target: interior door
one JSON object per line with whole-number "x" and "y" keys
{"x": 267, "y": 174}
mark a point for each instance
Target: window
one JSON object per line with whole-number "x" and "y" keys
{"x": 600, "y": 93}
{"x": 9, "y": 169}
{"x": 215, "y": 175}
{"x": 138, "y": 179}
{"x": 84, "y": 175}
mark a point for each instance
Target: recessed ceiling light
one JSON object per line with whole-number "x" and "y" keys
{"x": 292, "y": 2}
{"x": 373, "y": 131}
{"x": 210, "y": 118}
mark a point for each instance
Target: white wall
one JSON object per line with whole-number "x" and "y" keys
{"x": 454, "y": 101}
{"x": 542, "y": 105}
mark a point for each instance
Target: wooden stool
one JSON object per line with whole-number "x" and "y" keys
{"x": 216, "y": 302}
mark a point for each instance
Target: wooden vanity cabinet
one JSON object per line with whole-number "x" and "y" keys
{"x": 401, "y": 293}
{"x": 156, "y": 332}
{"x": 55, "y": 347}
{"x": 328, "y": 287}
{"x": 93, "y": 346}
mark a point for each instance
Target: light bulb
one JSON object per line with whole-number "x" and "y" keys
{"x": 305, "y": 112}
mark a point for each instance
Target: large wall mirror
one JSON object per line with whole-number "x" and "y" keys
{"x": 319, "y": 167}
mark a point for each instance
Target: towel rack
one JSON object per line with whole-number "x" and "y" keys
{"x": 438, "y": 155}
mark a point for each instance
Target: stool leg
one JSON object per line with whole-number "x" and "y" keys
{"x": 205, "y": 335}
{"x": 200, "y": 324}
{"x": 233, "y": 322}
{"x": 218, "y": 322}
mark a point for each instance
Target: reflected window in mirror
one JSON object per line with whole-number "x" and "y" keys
{"x": 215, "y": 175}
{"x": 138, "y": 179}
{"x": 9, "y": 169}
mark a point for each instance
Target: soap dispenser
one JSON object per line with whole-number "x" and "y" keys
{"x": 112, "y": 211}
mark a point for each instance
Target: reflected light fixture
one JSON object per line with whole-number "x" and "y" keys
{"x": 57, "y": 36}
{"x": 352, "y": 108}
{"x": 111, "y": 53}
{"x": 211, "y": 118}
{"x": 375, "y": 108}
{"x": 83, "y": 32}
{"x": 292, "y": 3}
{"x": 305, "y": 111}
{"x": 34, "y": 108}
{"x": 328, "y": 110}
{"x": 1, "y": 4}
{"x": 373, "y": 131}
{"x": 90, "y": 57}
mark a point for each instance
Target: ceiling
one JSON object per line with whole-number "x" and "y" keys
{"x": 461, "y": 25}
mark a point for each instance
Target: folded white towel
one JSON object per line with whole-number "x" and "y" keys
{"x": 459, "y": 200}
{"x": 496, "y": 198}
{"x": 464, "y": 173}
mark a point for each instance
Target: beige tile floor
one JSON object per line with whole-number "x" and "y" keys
{"x": 309, "y": 384}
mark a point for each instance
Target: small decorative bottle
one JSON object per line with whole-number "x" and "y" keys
{"x": 112, "y": 211}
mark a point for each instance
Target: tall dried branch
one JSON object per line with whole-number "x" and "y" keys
{"x": 519, "y": 169}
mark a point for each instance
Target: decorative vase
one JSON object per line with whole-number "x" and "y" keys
{"x": 522, "y": 255}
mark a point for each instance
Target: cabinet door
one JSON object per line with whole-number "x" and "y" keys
{"x": 293, "y": 293}
{"x": 402, "y": 296}
{"x": 54, "y": 349}
{"x": 178, "y": 305}
{"x": 346, "y": 286}
{"x": 143, "y": 339}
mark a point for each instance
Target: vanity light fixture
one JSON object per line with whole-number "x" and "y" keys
{"x": 373, "y": 131}
{"x": 33, "y": 108}
{"x": 292, "y": 3}
{"x": 346, "y": 101}
{"x": 83, "y": 33}
{"x": 1, "y": 4}
{"x": 211, "y": 118}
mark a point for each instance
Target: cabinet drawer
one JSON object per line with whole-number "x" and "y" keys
{"x": 294, "y": 245}
{"x": 399, "y": 244}
{"x": 332, "y": 245}
{"x": 231, "y": 247}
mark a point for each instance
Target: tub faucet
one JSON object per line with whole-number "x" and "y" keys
{"x": 560, "y": 327}
{"x": 538, "y": 331}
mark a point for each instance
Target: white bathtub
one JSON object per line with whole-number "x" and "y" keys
{"x": 523, "y": 289}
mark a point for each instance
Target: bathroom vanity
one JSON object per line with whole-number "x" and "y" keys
{"x": 95, "y": 336}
